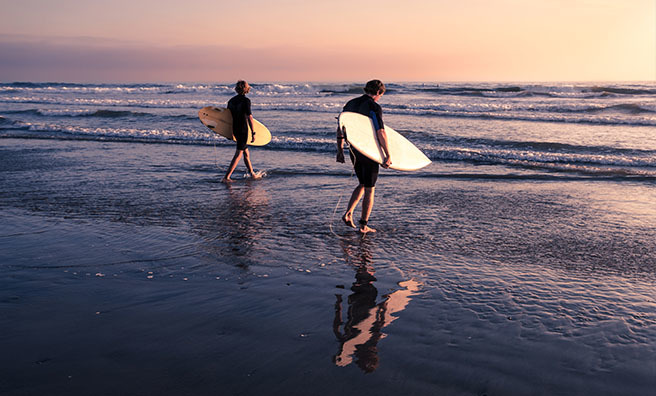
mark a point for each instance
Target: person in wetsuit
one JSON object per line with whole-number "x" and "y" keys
{"x": 240, "y": 108}
{"x": 365, "y": 168}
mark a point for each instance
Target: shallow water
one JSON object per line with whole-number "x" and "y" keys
{"x": 128, "y": 268}
{"x": 600, "y": 130}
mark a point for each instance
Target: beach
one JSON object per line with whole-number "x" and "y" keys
{"x": 521, "y": 261}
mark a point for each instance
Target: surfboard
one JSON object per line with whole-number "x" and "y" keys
{"x": 360, "y": 133}
{"x": 219, "y": 120}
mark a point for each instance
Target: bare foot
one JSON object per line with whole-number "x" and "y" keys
{"x": 365, "y": 229}
{"x": 348, "y": 220}
{"x": 256, "y": 176}
{"x": 226, "y": 180}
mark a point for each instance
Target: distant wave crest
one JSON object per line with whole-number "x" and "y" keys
{"x": 470, "y": 150}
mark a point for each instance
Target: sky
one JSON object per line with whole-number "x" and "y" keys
{"x": 337, "y": 40}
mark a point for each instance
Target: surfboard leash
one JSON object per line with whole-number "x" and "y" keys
{"x": 216, "y": 156}
{"x": 339, "y": 201}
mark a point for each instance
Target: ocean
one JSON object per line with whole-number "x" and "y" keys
{"x": 548, "y": 129}
{"x": 522, "y": 260}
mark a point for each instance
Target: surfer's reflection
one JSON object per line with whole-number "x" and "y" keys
{"x": 233, "y": 225}
{"x": 245, "y": 215}
{"x": 365, "y": 318}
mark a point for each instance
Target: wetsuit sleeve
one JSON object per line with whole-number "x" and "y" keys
{"x": 247, "y": 107}
{"x": 376, "y": 115}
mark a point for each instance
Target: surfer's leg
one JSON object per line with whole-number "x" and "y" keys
{"x": 368, "y": 181}
{"x": 353, "y": 202}
{"x": 247, "y": 162}
{"x": 367, "y": 206}
{"x": 233, "y": 165}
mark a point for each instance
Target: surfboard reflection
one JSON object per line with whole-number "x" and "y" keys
{"x": 365, "y": 318}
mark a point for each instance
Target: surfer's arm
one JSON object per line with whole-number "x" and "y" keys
{"x": 250, "y": 124}
{"x": 340, "y": 145}
{"x": 382, "y": 140}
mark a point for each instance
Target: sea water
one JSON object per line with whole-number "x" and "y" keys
{"x": 598, "y": 130}
{"x": 521, "y": 261}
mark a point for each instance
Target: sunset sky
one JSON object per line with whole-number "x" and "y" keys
{"x": 338, "y": 40}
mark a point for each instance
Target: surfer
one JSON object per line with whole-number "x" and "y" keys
{"x": 365, "y": 168}
{"x": 240, "y": 107}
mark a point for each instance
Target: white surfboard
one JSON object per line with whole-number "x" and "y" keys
{"x": 360, "y": 133}
{"x": 219, "y": 119}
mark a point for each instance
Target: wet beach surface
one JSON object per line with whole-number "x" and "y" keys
{"x": 127, "y": 268}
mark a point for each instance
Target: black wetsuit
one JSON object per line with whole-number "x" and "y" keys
{"x": 365, "y": 168}
{"x": 240, "y": 107}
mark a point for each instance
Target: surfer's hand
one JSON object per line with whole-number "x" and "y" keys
{"x": 253, "y": 137}
{"x": 387, "y": 163}
{"x": 340, "y": 157}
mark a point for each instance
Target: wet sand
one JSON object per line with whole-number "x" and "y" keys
{"x": 129, "y": 269}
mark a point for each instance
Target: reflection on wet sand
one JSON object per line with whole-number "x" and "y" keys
{"x": 366, "y": 319}
{"x": 244, "y": 214}
{"x": 233, "y": 225}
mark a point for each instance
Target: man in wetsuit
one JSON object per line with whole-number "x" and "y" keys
{"x": 365, "y": 168}
{"x": 240, "y": 107}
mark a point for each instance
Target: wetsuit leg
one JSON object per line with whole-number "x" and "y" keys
{"x": 365, "y": 168}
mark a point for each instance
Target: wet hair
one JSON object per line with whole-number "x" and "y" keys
{"x": 242, "y": 87}
{"x": 374, "y": 87}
